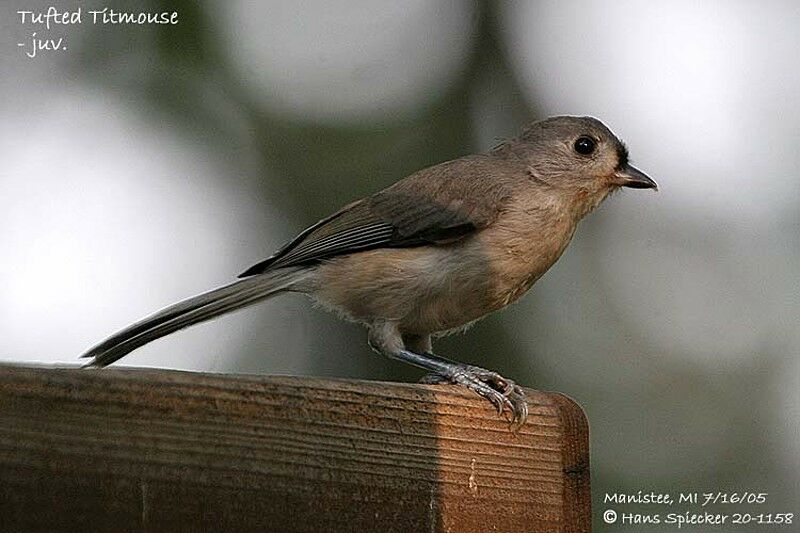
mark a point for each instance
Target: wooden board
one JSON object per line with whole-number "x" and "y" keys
{"x": 150, "y": 450}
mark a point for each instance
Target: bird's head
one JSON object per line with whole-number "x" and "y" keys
{"x": 580, "y": 154}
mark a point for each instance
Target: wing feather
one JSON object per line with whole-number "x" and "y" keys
{"x": 437, "y": 205}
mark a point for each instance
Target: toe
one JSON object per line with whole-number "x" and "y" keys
{"x": 434, "y": 379}
{"x": 504, "y": 394}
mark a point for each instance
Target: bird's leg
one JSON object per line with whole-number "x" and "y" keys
{"x": 503, "y": 393}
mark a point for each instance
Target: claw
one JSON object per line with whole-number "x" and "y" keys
{"x": 504, "y": 394}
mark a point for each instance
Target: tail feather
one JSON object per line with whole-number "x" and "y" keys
{"x": 192, "y": 311}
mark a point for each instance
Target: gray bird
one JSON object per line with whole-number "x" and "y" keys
{"x": 432, "y": 253}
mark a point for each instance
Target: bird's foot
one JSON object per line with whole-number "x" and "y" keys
{"x": 504, "y": 394}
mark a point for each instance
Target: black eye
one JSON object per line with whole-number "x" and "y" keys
{"x": 584, "y": 145}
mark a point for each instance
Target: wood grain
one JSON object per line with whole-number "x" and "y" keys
{"x": 151, "y": 450}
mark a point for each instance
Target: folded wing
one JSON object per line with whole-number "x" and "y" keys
{"x": 438, "y": 205}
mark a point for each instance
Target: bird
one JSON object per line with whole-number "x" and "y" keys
{"x": 433, "y": 253}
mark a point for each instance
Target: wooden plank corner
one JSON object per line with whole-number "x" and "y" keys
{"x": 140, "y": 450}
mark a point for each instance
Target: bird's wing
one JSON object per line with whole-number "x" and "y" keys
{"x": 434, "y": 206}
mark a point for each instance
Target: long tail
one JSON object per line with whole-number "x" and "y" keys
{"x": 192, "y": 311}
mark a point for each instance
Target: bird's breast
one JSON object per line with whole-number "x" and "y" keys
{"x": 525, "y": 243}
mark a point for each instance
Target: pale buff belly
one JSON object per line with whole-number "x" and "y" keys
{"x": 434, "y": 289}
{"x": 423, "y": 290}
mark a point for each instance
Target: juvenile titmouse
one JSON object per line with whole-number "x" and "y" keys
{"x": 434, "y": 252}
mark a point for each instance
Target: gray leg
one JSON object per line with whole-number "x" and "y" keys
{"x": 503, "y": 393}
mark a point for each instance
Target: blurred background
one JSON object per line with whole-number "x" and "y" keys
{"x": 144, "y": 164}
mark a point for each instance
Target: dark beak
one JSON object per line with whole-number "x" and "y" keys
{"x": 630, "y": 176}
